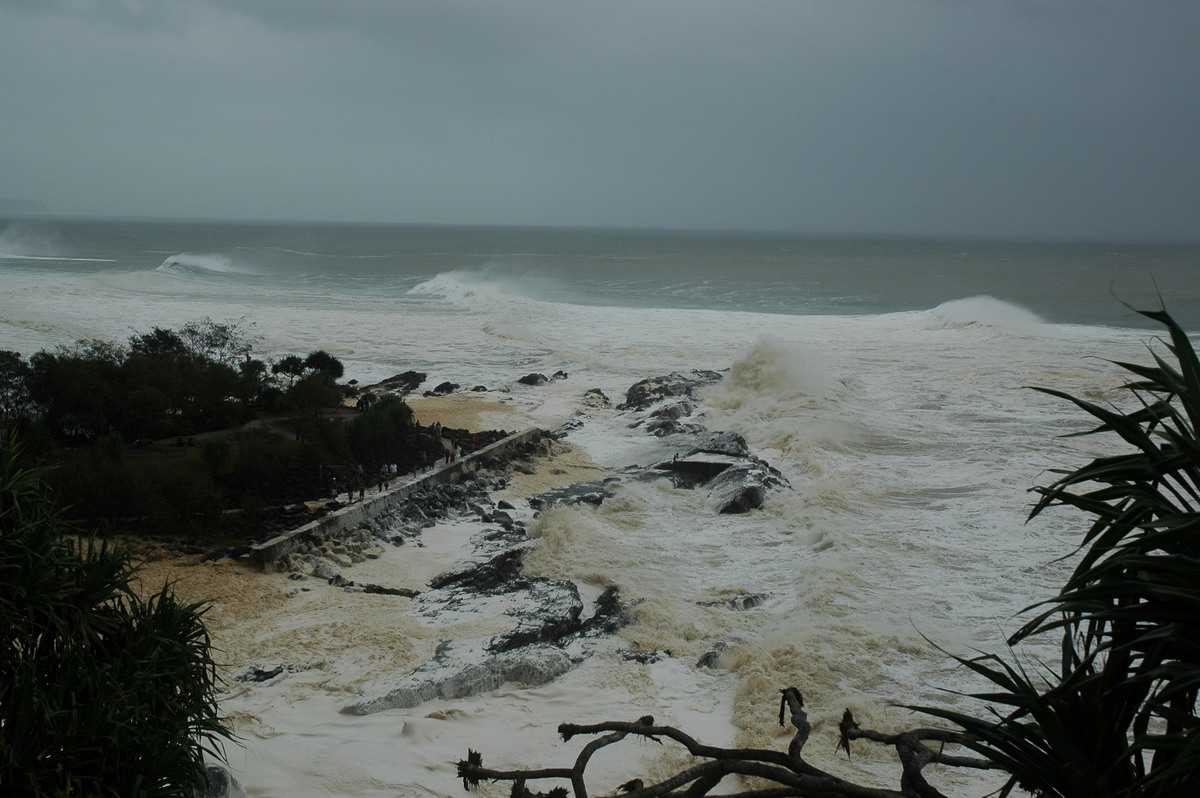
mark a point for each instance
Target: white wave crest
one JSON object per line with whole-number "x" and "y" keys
{"x": 984, "y": 311}
{"x": 202, "y": 263}
{"x": 478, "y": 286}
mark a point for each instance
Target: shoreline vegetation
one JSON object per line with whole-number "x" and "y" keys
{"x": 183, "y": 435}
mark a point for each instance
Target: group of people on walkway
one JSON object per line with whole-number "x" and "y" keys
{"x": 358, "y": 480}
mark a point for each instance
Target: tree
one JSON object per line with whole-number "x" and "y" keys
{"x": 220, "y": 343}
{"x": 1118, "y": 716}
{"x": 102, "y": 692}
{"x": 290, "y": 366}
{"x": 324, "y": 363}
{"x": 382, "y": 432}
{"x": 15, "y": 401}
{"x": 77, "y": 390}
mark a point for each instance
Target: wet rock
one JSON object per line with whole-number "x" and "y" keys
{"x": 645, "y": 657}
{"x": 666, "y": 419}
{"x": 711, "y": 658}
{"x": 454, "y": 674}
{"x": 594, "y": 397}
{"x": 391, "y": 591}
{"x": 258, "y": 673}
{"x": 443, "y": 389}
{"x": 576, "y": 493}
{"x": 642, "y": 395}
{"x": 610, "y": 615}
{"x": 533, "y": 379}
{"x": 219, "y": 783}
{"x": 489, "y": 577}
{"x": 406, "y": 382}
{"x": 739, "y": 603}
{"x": 743, "y": 487}
{"x": 573, "y": 423}
{"x": 324, "y": 569}
{"x": 546, "y": 611}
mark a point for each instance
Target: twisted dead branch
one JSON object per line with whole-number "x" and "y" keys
{"x": 791, "y": 775}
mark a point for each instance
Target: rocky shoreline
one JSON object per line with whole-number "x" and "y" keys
{"x": 549, "y": 625}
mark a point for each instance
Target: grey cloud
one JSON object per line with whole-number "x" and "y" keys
{"x": 1068, "y": 118}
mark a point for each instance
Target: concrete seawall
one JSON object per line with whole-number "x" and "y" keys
{"x": 352, "y": 516}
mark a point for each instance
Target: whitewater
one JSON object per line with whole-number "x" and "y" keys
{"x": 907, "y": 431}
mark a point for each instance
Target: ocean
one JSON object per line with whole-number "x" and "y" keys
{"x": 887, "y": 380}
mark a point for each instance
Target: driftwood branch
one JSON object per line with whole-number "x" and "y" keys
{"x": 788, "y": 771}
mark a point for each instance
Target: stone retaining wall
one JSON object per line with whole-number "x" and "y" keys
{"x": 354, "y": 515}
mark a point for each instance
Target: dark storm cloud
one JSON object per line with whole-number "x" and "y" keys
{"x": 1005, "y": 118}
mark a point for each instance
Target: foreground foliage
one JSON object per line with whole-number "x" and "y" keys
{"x": 1116, "y": 718}
{"x": 102, "y": 692}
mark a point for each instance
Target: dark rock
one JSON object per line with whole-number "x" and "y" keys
{"x": 577, "y": 493}
{"x": 743, "y": 487}
{"x": 480, "y": 389}
{"x": 404, "y": 383}
{"x": 533, "y": 379}
{"x": 559, "y": 375}
{"x": 443, "y": 389}
{"x": 739, "y": 603}
{"x": 665, "y": 420}
{"x": 219, "y": 783}
{"x": 554, "y": 614}
{"x": 645, "y": 657}
{"x": 729, "y": 443}
{"x": 610, "y": 615}
{"x": 575, "y": 422}
{"x": 450, "y": 676}
{"x": 493, "y": 576}
{"x": 642, "y": 395}
{"x": 712, "y": 657}
{"x": 594, "y": 397}
{"x": 258, "y": 673}
{"x": 391, "y": 591}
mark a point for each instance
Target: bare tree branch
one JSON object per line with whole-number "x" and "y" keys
{"x": 795, "y": 777}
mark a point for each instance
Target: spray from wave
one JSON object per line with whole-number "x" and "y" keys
{"x": 202, "y": 263}
{"x": 480, "y": 286}
{"x": 22, "y": 241}
{"x": 26, "y": 241}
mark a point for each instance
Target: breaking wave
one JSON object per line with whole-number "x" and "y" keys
{"x": 985, "y": 311}
{"x": 202, "y": 263}
{"x": 481, "y": 286}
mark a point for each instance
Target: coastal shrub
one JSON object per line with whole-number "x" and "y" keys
{"x": 15, "y": 401}
{"x": 102, "y": 692}
{"x": 384, "y": 432}
{"x": 1118, "y": 715}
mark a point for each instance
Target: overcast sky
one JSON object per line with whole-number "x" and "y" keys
{"x": 1035, "y": 118}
